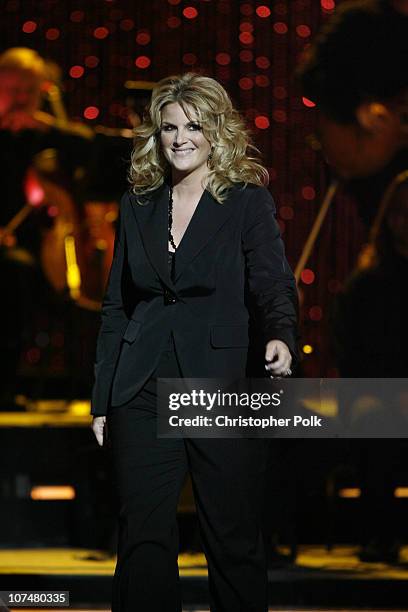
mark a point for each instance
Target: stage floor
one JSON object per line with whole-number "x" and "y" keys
{"x": 319, "y": 580}
{"x": 83, "y": 562}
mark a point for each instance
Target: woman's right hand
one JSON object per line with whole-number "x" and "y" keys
{"x": 98, "y": 426}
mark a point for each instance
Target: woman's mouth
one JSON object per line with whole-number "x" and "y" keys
{"x": 183, "y": 152}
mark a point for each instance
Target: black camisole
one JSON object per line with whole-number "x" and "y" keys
{"x": 171, "y": 263}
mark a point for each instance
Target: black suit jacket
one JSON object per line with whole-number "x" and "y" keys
{"x": 231, "y": 255}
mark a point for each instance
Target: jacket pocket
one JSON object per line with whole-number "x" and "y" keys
{"x": 229, "y": 336}
{"x": 132, "y": 331}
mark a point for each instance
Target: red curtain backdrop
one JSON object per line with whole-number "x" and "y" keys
{"x": 252, "y": 48}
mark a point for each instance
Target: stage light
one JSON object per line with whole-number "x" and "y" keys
{"x": 308, "y": 102}
{"x": 224, "y": 73}
{"x": 286, "y": 212}
{"x": 101, "y": 33}
{"x": 224, "y": 7}
{"x": 349, "y": 492}
{"x": 303, "y": 31}
{"x": 33, "y": 189}
{"x": 91, "y": 112}
{"x": 262, "y": 62}
{"x": 280, "y": 9}
{"x": 246, "y": 38}
{"x": 315, "y": 313}
{"x": 52, "y": 492}
{"x": 246, "y": 26}
{"x": 279, "y": 92}
{"x": 223, "y": 59}
{"x": 308, "y": 193}
{"x": 328, "y": 5}
{"x": 280, "y": 27}
{"x": 115, "y": 14}
{"x": 245, "y": 83}
{"x": 246, "y": 55}
{"x": 77, "y": 16}
{"x": 29, "y": 27}
{"x": 263, "y": 11}
{"x": 143, "y": 38}
{"x": 189, "y": 59}
{"x": 190, "y": 12}
{"x": 91, "y": 61}
{"x": 76, "y": 72}
{"x": 127, "y": 24}
{"x": 279, "y": 116}
{"x": 246, "y": 9}
{"x": 401, "y": 492}
{"x": 52, "y": 34}
{"x": 142, "y": 61}
{"x": 262, "y": 80}
{"x": 173, "y": 22}
{"x": 307, "y": 276}
{"x": 52, "y": 211}
{"x": 307, "y": 349}
{"x": 262, "y": 122}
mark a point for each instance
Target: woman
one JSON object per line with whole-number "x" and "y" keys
{"x": 196, "y": 234}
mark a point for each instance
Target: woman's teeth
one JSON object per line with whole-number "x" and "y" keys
{"x": 183, "y": 152}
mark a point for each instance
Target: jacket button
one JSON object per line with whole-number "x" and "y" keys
{"x": 169, "y": 297}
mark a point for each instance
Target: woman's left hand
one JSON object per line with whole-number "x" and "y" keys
{"x": 278, "y": 358}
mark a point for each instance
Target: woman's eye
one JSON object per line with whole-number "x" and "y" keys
{"x": 167, "y": 128}
{"x": 194, "y": 126}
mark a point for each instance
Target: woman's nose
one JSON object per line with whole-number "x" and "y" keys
{"x": 179, "y": 137}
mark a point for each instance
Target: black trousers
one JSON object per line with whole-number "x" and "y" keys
{"x": 228, "y": 484}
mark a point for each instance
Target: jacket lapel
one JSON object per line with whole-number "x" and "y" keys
{"x": 207, "y": 219}
{"x": 152, "y": 219}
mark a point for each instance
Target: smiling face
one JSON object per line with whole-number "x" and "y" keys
{"x": 183, "y": 142}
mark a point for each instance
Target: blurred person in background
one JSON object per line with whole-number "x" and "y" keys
{"x": 355, "y": 71}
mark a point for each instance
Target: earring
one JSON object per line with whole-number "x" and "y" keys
{"x": 210, "y": 156}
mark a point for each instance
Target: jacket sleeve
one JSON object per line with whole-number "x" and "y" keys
{"x": 270, "y": 279}
{"x": 113, "y": 321}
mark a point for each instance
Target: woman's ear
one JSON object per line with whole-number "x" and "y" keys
{"x": 374, "y": 116}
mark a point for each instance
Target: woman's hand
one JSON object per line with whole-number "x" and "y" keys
{"x": 278, "y": 358}
{"x": 98, "y": 425}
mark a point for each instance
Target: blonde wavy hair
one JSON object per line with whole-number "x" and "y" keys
{"x": 234, "y": 159}
{"x": 23, "y": 58}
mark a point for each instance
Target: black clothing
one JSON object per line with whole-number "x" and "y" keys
{"x": 228, "y": 484}
{"x": 370, "y": 322}
{"x": 369, "y": 191}
{"x": 371, "y": 338}
{"x": 186, "y": 315}
{"x": 228, "y": 251}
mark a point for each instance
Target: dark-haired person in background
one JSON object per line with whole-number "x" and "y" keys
{"x": 356, "y": 73}
{"x": 370, "y": 339}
